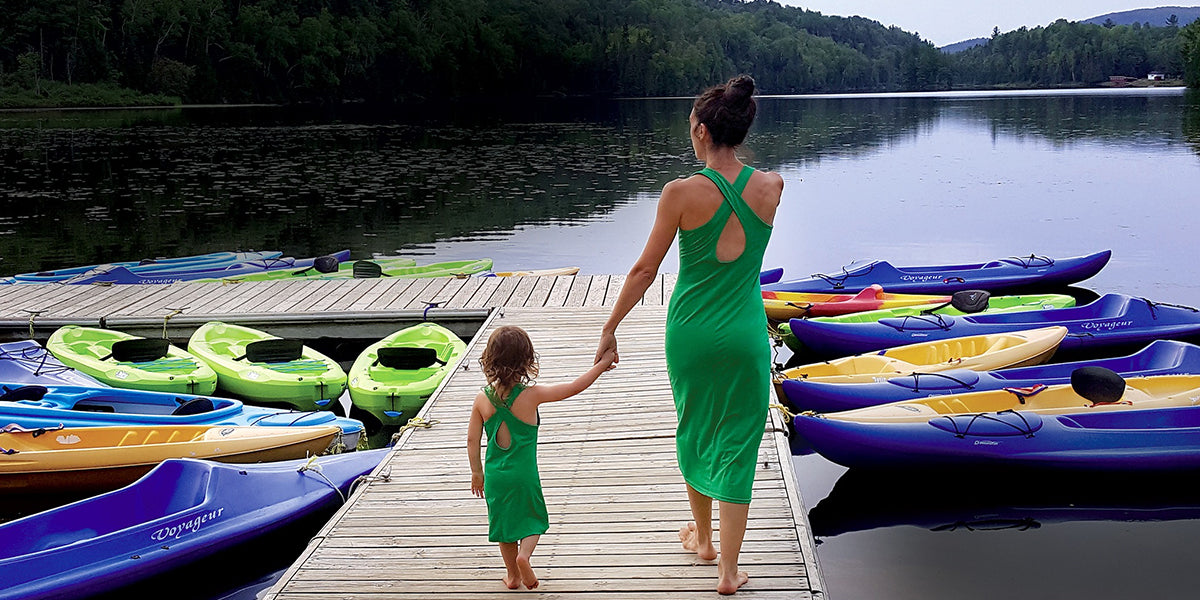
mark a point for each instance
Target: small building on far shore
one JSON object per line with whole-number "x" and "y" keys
{"x": 1156, "y": 76}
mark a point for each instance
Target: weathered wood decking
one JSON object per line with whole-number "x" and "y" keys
{"x": 357, "y": 307}
{"x": 615, "y": 496}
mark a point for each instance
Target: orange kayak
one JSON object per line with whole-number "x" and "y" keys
{"x": 76, "y": 459}
{"x": 781, "y": 306}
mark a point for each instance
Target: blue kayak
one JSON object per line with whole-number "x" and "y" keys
{"x": 120, "y": 275}
{"x": 27, "y": 362}
{"x": 183, "y": 510}
{"x": 1160, "y": 357}
{"x": 1113, "y": 321}
{"x": 212, "y": 260}
{"x": 1145, "y": 440}
{"x": 33, "y": 406}
{"x": 1008, "y": 275}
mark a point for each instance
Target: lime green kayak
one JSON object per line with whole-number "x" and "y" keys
{"x": 403, "y": 268}
{"x": 995, "y": 304}
{"x": 261, "y": 368}
{"x": 392, "y": 378}
{"x": 127, "y": 361}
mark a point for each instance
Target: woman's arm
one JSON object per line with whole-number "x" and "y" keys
{"x": 645, "y": 269}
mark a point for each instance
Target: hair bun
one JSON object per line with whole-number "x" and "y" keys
{"x": 740, "y": 88}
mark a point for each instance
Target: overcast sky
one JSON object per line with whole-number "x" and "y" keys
{"x": 948, "y": 21}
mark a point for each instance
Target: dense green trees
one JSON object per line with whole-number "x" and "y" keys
{"x": 298, "y": 50}
{"x": 1066, "y": 53}
{"x": 264, "y": 50}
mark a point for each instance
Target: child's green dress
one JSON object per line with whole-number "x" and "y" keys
{"x": 511, "y": 485}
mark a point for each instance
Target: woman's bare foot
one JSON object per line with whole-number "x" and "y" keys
{"x": 527, "y": 576}
{"x": 727, "y": 586}
{"x": 511, "y": 582}
{"x": 690, "y": 538}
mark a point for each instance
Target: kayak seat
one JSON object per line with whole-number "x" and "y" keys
{"x": 326, "y": 264}
{"x": 408, "y": 358}
{"x": 194, "y": 406}
{"x": 273, "y": 350}
{"x": 139, "y": 349}
{"x": 1098, "y": 384}
{"x": 365, "y": 269}
{"x": 25, "y": 392}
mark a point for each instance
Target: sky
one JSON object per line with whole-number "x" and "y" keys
{"x": 948, "y": 21}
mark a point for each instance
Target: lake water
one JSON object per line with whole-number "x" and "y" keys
{"x": 915, "y": 179}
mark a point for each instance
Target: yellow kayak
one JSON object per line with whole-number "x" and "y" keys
{"x": 1159, "y": 391}
{"x": 533, "y": 273}
{"x": 91, "y": 458}
{"x": 979, "y": 353}
{"x": 781, "y": 306}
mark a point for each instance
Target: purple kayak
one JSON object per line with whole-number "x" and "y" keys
{"x": 27, "y": 362}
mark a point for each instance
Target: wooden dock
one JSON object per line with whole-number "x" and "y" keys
{"x": 607, "y": 458}
{"x": 613, "y": 490}
{"x": 368, "y": 308}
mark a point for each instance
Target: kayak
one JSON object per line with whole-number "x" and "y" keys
{"x": 181, "y": 511}
{"x": 27, "y": 362}
{"x": 258, "y": 367}
{"x": 533, "y": 273}
{"x": 212, "y": 260}
{"x": 79, "y": 459}
{"x": 1112, "y": 322}
{"x": 1025, "y": 273}
{"x": 1160, "y": 357}
{"x": 781, "y": 306}
{"x": 393, "y": 378}
{"x": 32, "y": 406}
{"x": 344, "y": 269}
{"x": 983, "y": 352}
{"x": 403, "y": 269}
{"x": 995, "y": 304}
{"x": 1162, "y": 391}
{"x": 1163, "y": 439}
{"x": 119, "y": 275}
{"x": 127, "y": 361}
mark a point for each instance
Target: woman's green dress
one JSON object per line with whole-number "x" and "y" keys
{"x": 718, "y": 351}
{"x": 511, "y": 485}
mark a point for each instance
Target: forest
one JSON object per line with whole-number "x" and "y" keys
{"x": 112, "y": 52}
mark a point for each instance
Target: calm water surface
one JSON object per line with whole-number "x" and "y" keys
{"x": 916, "y": 179}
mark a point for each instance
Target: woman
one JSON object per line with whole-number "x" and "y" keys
{"x": 718, "y": 352}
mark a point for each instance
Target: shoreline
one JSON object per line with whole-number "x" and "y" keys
{"x": 1107, "y": 85}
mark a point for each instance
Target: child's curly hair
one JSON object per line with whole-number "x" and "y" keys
{"x": 509, "y": 358}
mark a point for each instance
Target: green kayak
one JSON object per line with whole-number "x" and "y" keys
{"x": 995, "y": 304}
{"x": 127, "y": 361}
{"x": 403, "y": 268}
{"x": 312, "y": 272}
{"x": 392, "y": 378}
{"x": 261, "y": 368}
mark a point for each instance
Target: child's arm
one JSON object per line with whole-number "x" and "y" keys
{"x": 562, "y": 391}
{"x": 474, "y": 444}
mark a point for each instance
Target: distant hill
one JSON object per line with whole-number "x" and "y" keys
{"x": 1156, "y": 17}
{"x": 963, "y": 45}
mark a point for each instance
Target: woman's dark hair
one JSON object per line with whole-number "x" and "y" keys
{"x": 727, "y": 110}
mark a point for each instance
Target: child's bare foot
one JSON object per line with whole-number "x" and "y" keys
{"x": 511, "y": 582}
{"x": 689, "y": 537}
{"x": 727, "y": 586}
{"x": 527, "y": 576}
